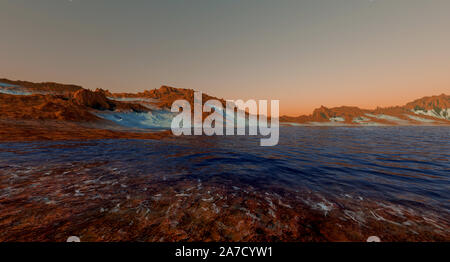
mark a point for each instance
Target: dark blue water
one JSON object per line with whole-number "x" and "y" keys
{"x": 404, "y": 167}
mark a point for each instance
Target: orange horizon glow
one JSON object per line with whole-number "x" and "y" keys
{"x": 304, "y": 53}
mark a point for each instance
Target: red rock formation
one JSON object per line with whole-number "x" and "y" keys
{"x": 402, "y": 113}
{"x": 76, "y": 104}
{"x": 430, "y": 102}
{"x": 96, "y": 100}
{"x": 49, "y": 87}
{"x": 166, "y": 95}
{"x": 43, "y": 107}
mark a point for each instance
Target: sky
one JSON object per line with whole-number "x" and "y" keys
{"x": 364, "y": 53}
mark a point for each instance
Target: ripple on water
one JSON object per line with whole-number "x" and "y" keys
{"x": 318, "y": 184}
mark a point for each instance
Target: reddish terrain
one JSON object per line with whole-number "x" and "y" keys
{"x": 97, "y": 201}
{"x": 65, "y": 113}
{"x": 58, "y": 111}
{"x": 412, "y": 113}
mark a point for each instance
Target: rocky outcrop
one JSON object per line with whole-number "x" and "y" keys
{"x": 434, "y": 106}
{"x": 427, "y": 110}
{"x": 429, "y": 103}
{"x": 44, "y": 87}
{"x": 165, "y": 95}
{"x": 70, "y": 102}
{"x": 96, "y": 100}
{"x": 42, "y": 107}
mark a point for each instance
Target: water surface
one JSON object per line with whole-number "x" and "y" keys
{"x": 318, "y": 184}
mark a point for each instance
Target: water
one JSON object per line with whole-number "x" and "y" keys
{"x": 318, "y": 184}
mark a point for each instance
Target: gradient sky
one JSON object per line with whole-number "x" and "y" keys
{"x": 305, "y": 53}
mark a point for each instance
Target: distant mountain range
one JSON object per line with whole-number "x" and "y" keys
{"x": 432, "y": 110}
{"x": 22, "y": 100}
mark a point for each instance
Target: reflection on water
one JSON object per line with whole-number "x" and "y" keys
{"x": 318, "y": 184}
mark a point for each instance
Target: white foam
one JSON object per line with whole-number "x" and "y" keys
{"x": 324, "y": 207}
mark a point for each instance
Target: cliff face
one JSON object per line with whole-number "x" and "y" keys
{"x": 96, "y": 100}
